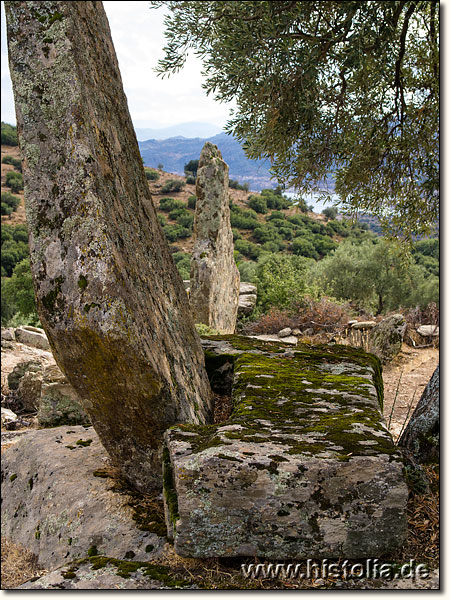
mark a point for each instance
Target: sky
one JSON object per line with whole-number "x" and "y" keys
{"x": 154, "y": 102}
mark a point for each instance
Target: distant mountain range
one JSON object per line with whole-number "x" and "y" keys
{"x": 175, "y": 152}
{"x": 187, "y": 130}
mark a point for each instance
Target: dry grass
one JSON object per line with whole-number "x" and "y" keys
{"x": 18, "y": 565}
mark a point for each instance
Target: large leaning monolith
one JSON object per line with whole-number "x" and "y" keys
{"x": 214, "y": 294}
{"x": 108, "y": 294}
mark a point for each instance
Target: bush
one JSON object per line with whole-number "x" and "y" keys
{"x": 303, "y": 247}
{"x": 281, "y": 281}
{"x": 161, "y": 219}
{"x": 190, "y": 179}
{"x": 275, "y": 199}
{"x": 192, "y": 202}
{"x": 276, "y": 214}
{"x": 173, "y": 185}
{"x": 191, "y": 168}
{"x": 169, "y": 204}
{"x": 14, "y": 247}
{"x": 258, "y": 204}
{"x": 18, "y": 293}
{"x": 15, "y": 162}
{"x": 183, "y": 263}
{"x": 9, "y": 203}
{"x": 248, "y": 249}
{"x": 9, "y": 134}
{"x": 176, "y": 232}
{"x": 235, "y": 185}
{"x": 243, "y": 219}
{"x": 183, "y": 217}
{"x": 14, "y": 180}
{"x": 151, "y": 174}
{"x": 330, "y": 212}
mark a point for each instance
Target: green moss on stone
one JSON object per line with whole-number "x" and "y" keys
{"x": 170, "y": 494}
{"x": 13, "y": 477}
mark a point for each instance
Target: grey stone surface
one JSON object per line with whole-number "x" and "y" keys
{"x": 385, "y": 339}
{"x": 286, "y": 332}
{"x": 247, "y": 303}
{"x": 8, "y": 334}
{"x": 32, "y": 336}
{"x": 54, "y": 505}
{"x": 59, "y": 403}
{"x": 214, "y": 291}
{"x": 428, "y": 330}
{"x": 290, "y": 339}
{"x": 304, "y": 467}
{"x": 108, "y": 294}
{"x": 247, "y": 288}
{"x": 8, "y": 416}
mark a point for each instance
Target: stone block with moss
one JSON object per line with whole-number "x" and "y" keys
{"x": 304, "y": 467}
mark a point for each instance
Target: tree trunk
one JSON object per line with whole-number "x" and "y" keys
{"x": 421, "y": 436}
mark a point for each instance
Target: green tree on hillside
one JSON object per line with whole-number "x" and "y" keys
{"x": 350, "y": 87}
{"x": 9, "y": 134}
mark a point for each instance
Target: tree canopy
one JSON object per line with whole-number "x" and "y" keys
{"x": 343, "y": 87}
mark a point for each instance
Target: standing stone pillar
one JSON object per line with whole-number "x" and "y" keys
{"x": 108, "y": 293}
{"x": 214, "y": 293}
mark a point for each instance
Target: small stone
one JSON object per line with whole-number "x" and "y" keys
{"x": 296, "y": 332}
{"x": 59, "y": 403}
{"x": 32, "y": 336}
{"x": 8, "y": 334}
{"x": 247, "y": 303}
{"x": 247, "y": 288}
{"x": 428, "y": 330}
{"x": 308, "y": 332}
{"x": 386, "y": 338}
{"x": 286, "y": 332}
{"x": 8, "y": 416}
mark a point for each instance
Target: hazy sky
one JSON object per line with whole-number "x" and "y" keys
{"x": 137, "y": 34}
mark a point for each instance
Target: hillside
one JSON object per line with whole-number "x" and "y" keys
{"x": 174, "y": 153}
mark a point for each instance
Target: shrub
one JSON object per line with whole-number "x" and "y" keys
{"x": 161, "y": 219}
{"x": 14, "y": 247}
{"x": 192, "y": 202}
{"x": 169, "y": 204}
{"x": 190, "y": 179}
{"x": 243, "y": 219}
{"x": 175, "y": 232}
{"x": 248, "y": 249}
{"x": 151, "y": 174}
{"x": 14, "y": 180}
{"x": 9, "y": 203}
{"x": 173, "y": 185}
{"x": 330, "y": 212}
{"x": 9, "y": 134}
{"x": 18, "y": 292}
{"x": 183, "y": 263}
{"x": 303, "y": 247}
{"x": 276, "y": 214}
{"x": 258, "y": 204}
{"x": 182, "y": 216}
{"x": 15, "y": 162}
{"x": 191, "y": 168}
{"x": 235, "y": 185}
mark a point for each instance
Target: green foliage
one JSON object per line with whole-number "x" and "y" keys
{"x": 14, "y": 247}
{"x": 330, "y": 212}
{"x": 281, "y": 281}
{"x": 9, "y": 203}
{"x": 169, "y": 204}
{"x": 176, "y": 232}
{"x": 173, "y": 185}
{"x": 376, "y": 276}
{"x": 303, "y": 247}
{"x": 275, "y": 199}
{"x": 18, "y": 295}
{"x": 151, "y": 174}
{"x": 258, "y": 204}
{"x": 9, "y": 134}
{"x": 191, "y": 168}
{"x": 235, "y": 185}
{"x": 183, "y": 263}
{"x": 190, "y": 179}
{"x": 15, "y": 162}
{"x": 183, "y": 217}
{"x": 14, "y": 180}
{"x": 243, "y": 219}
{"x": 347, "y": 87}
{"x": 192, "y": 202}
{"x": 247, "y": 248}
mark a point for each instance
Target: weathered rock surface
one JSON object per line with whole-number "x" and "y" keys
{"x": 421, "y": 436}
{"x": 7, "y": 416}
{"x": 385, "y": 339}
{"x": 362, "y": 324}
{"x": 286, "y": 332}
{"x": 290, "y": 339}
{"x": 8, "y": 334}
{"x": 108, "y": 293}
{"x": 214, "y": 291}
{"x": 32, "y": 336}
{"x": 59, "y": 403}
{"x": 304, "y": 467}
{"x": 247, "y": 303}
{"x": 428, "y": 330}
{"x": 54, "y": 505}
{"x": 247, "y": 288}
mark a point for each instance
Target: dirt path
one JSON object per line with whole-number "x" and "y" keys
{"x": 404, "y": 381}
